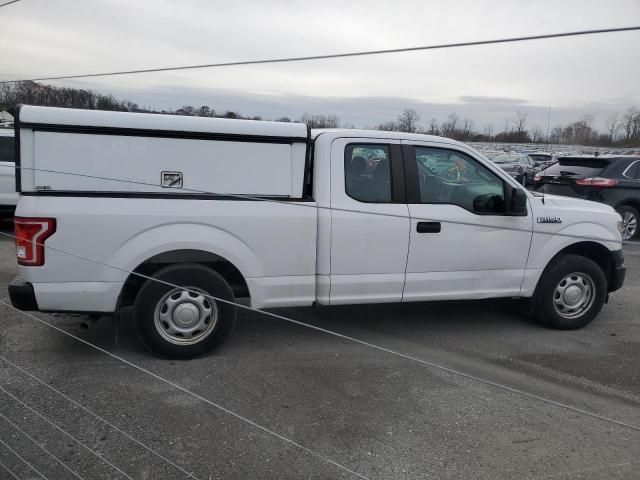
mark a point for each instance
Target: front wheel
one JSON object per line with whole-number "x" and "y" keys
{"x": 571, "y": 293}
{"x": 629, "y": 222}
{"x": 178, "y": 313}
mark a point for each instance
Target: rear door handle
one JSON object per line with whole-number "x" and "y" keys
{"x": 428, "y": 227}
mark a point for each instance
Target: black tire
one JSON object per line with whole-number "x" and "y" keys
{"x": 191, "y": 276}
{"x": 630, "y": 213}
{"x": 560, "y": 268}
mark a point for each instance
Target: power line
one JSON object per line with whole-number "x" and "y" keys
{"x": 333, "y": 55}
{"x": 9, "y": 3}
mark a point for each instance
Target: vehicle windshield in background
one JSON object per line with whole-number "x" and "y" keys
{"x": 506, "y": 159}
{"x": 576, "y": 167}
{"x": 538, "y": 157}
{"x": 7, "y": 151}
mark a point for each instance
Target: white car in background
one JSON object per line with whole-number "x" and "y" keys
{"x": 8, "y": 194}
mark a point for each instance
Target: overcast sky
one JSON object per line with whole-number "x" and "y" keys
{"x": 595, "y": 75}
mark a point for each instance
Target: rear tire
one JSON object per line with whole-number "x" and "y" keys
{"x": 571, "y": 293}
{"x": 630, "y": 219}
{"x": 184, "y": 323}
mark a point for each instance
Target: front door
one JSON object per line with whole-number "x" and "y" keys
{"x": 369, "y": 221}
{"x": 462, "y": 245}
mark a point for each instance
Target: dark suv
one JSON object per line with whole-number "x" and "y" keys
{"x": 614, "y": 180}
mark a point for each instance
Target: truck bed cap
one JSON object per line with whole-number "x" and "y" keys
{"x": 29, "y": 114}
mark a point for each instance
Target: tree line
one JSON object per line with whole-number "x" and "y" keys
{"x": 621, "y": 129}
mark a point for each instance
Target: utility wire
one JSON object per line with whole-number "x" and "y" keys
{"x": 102, "y": 419}
{"x": 313, "y": 205}
{"x": 35, "y": 442}
{"x": 333, "y": 55}
{"x": 300, "y": 323}
{"x": 9, "y": 3}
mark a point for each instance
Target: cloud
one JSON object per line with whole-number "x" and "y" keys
{"x": 492, "y": 100}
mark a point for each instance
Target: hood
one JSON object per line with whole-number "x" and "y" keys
{"x": 577, "y": 203}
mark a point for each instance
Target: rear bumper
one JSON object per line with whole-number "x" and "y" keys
{"x": 619, "y": 271}
{"x": 22, "y": 295}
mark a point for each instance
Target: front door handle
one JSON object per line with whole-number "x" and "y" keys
{"x": 428, "y": 227}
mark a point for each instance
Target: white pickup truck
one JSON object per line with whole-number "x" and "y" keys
{"x": 171, "y": 215}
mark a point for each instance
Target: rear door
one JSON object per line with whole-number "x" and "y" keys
{"x": 461, "y": 243}
{"x": 369, "y": 221}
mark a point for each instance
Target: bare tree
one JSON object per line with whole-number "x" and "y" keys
{"x": 433, "y": 127}
{"x": 205, "y": 111}
{"x": 408, "y": 121}
{"x": 450, "y": 126}
{"x": 612, "y": 123}
{"x": 487, "y": 131}
{"x": 389, "y": 127}
{"x": 320, "y": 121}
{"x": 467, "y": 129}
{"x": 520, "y": 126}
{"x": 537, "y": 136}
{"x": 628, "y": 118}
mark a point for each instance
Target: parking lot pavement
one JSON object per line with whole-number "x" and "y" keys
{"x": 374, "y": 413}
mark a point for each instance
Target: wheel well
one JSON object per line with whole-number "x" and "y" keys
{"x": 629, "y": 203}
{"x": 147, "y": 268}
{"x": 593, "y": 251}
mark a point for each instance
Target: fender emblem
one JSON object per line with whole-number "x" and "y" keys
{"x": 549, "y": 220}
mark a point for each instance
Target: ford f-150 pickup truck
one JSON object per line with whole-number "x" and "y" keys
{"x": 178, "y": 216}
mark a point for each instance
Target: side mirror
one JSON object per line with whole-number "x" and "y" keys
{"x": 517, "y": 203}
{"x": 488, "y": 204}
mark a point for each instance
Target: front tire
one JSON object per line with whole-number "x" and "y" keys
{"x": 571, "y": 293}
{"x": 630, "y": 218}
{"x": 181, "y": 323}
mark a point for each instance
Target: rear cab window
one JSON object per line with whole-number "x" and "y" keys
{"x": 7, "y": 149}
{"x": 367, "y": 169}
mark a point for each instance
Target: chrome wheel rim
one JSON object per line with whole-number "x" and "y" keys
{"x": 574, "y": 295}
{"x": 629, "y": 225}
{"x": 185, "y": 317}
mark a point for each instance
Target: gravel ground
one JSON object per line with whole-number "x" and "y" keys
{"x": 280, "y": 401}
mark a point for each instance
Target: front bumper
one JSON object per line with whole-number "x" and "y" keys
{"x": 618, "y": 272}
{"x": 22, "y": 295}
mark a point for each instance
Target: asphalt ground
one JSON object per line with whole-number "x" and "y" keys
{"x": 281, "y": 401}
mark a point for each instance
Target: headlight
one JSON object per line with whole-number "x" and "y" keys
{"x": 620, "y": 226}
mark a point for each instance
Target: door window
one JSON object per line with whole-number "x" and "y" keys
{"x": 368, "y": 172}
{"x": 452, "y": 177}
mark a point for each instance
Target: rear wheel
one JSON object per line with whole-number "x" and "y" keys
{"x": 571, "y": 293}
{"x": 186, "y": 320}
{"x": 630, "y": 219}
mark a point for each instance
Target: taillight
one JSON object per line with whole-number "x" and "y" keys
{"x": 30, "y": 235}
{"x": 597, "y": 182}
{"x": 537, "y": 178}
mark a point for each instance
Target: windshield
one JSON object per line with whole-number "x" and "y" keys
{"x": 577, "y": 167}
{"x": 506, "y": 159}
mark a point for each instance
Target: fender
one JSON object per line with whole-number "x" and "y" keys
{"x": 184, "y": 235}
{"x": 546, "y": 246}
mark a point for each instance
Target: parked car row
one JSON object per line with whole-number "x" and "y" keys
{"x": 522, "y": 167}
{"x": 614, "y": 180}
